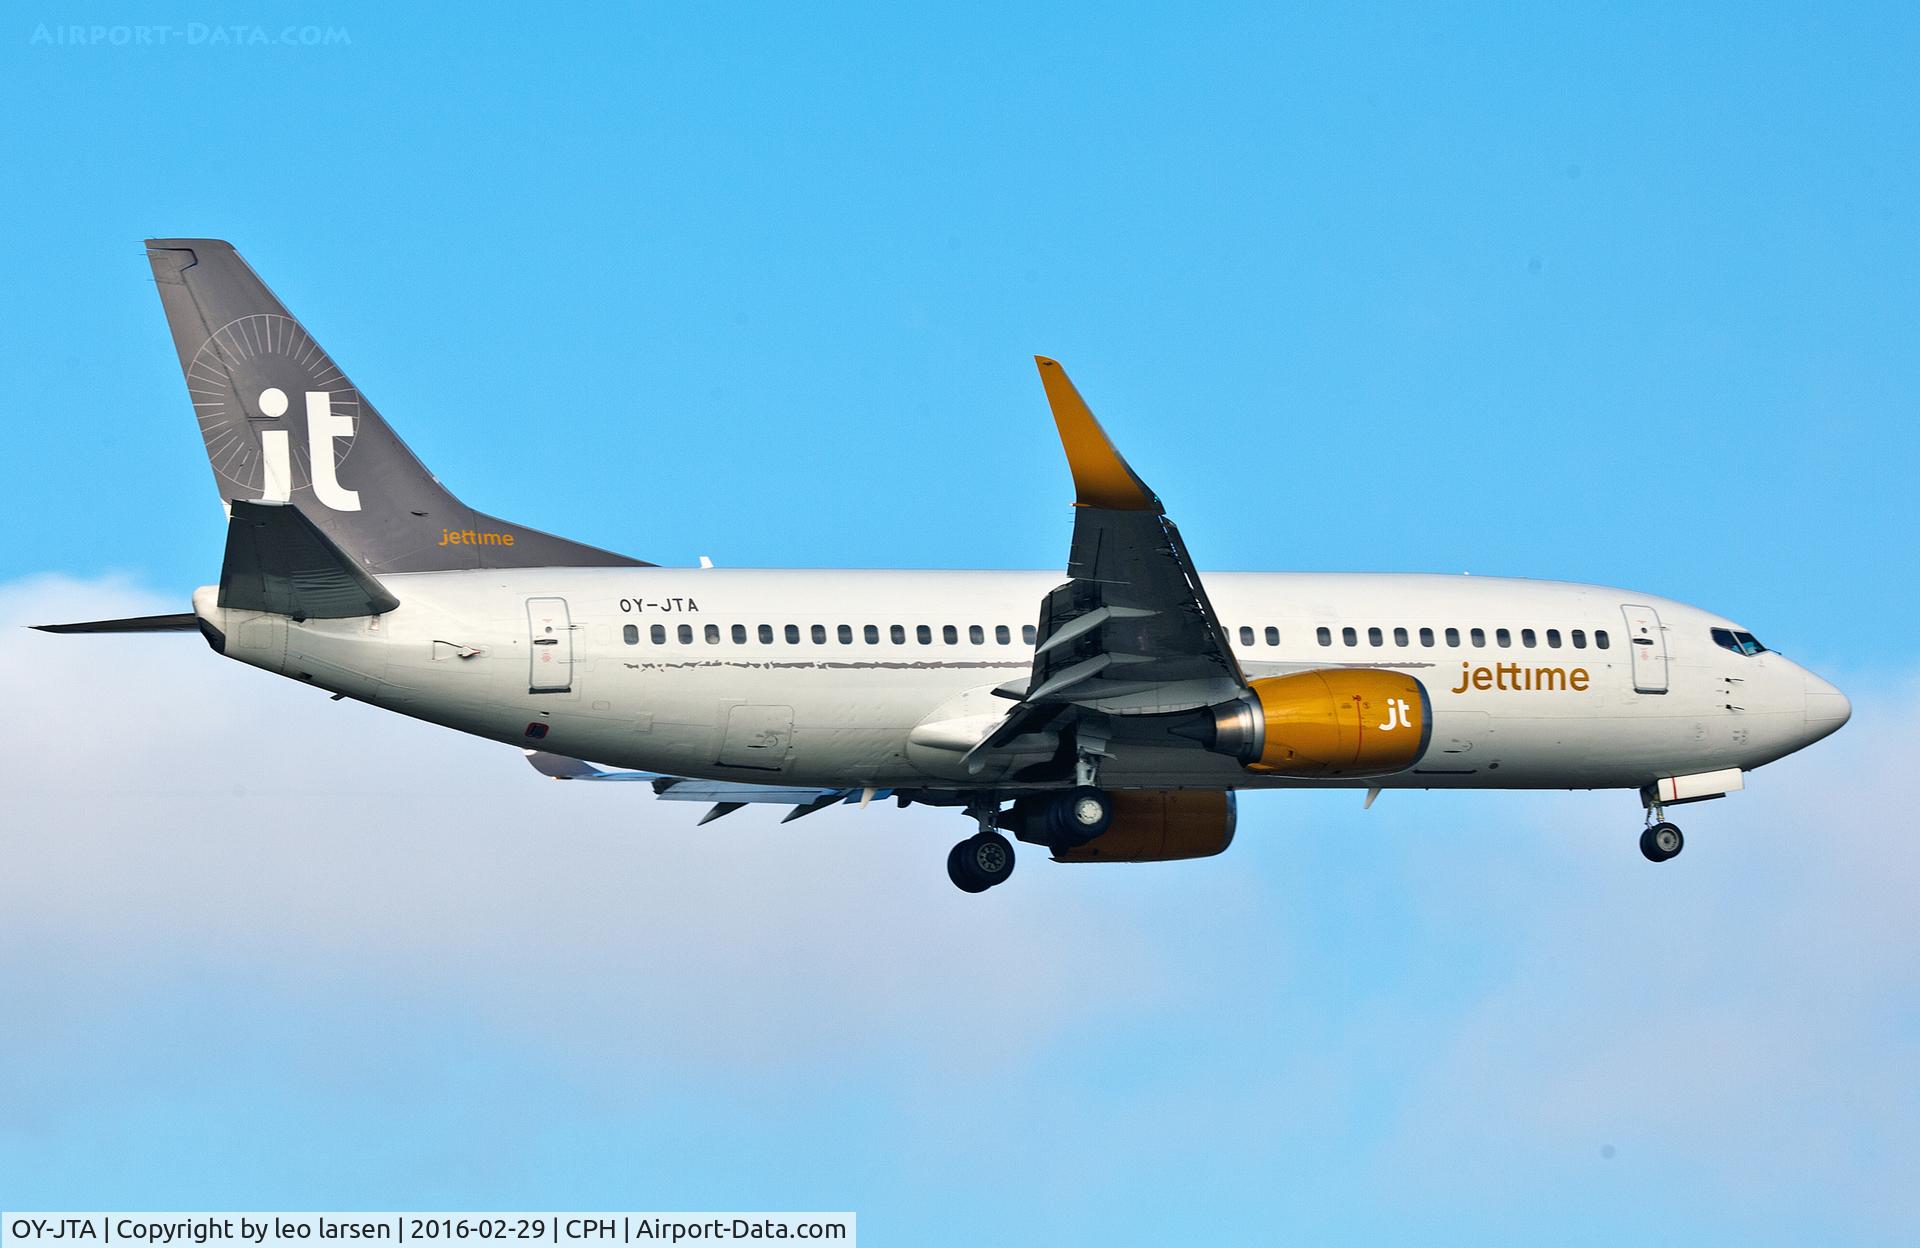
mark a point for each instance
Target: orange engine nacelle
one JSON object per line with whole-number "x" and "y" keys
{"x": 1160, "y": 825}
{"x": 1339, "y": 722}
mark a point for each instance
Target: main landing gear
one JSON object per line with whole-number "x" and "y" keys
{"x": 1661, "y": 841}
{"x": 1080, "y": 814}
{"x": 1068, "y": 819}
{"x": 981, "y": 861}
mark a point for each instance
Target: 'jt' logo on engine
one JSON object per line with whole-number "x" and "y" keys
{"x": 1399, "y": 715}
{"x": 323, "y": 427}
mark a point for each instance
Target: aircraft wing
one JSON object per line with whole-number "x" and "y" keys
{"x": 727, "y": 796}
{"x": 1131, "y": 632}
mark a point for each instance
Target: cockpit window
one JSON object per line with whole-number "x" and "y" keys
{"x": 1736, "y": 641}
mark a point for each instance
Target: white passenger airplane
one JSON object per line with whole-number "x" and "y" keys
{"x": 1109, "y": 716}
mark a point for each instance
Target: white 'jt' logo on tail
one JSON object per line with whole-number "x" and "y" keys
{"x": 1399, "y": 715}
{"x": 323, "y": 426}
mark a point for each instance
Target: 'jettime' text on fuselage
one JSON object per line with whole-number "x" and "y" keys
{"x": 1511, "y": 677}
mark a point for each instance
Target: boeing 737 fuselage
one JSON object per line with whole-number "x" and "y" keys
{"x": 1109, "y": 715}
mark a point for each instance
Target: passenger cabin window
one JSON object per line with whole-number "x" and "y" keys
{"x": 1504, "y": 637}
{"x": 1001, "y": 636}
{"x": 1528, "y": 639}
{"x": 949, "y": 634}
{"x": 631, "y": 634}
{"x": 1426, "y": 637}
{"x": 872, "y": 633}
{"x": 793, "y": 634}
{"x": 1399, "y": 636}
{"x": 1453, "y": 637}
{"x": 1579, "y": 636}
{"x": 659, "y": 634}
{"x": 713, "y": 634}
{"x": 1553, "y": 639}
{"x": 1599, "y": 639}
{"x": 845, "y": 634}
{"x": 766, "y": 634}
{"x": 1349, "y": 636}
{"x": 1273, "y": 635}
{"x": 686, "y": 634}
{"x": 1738, "y": 642}
{"x": 923, "y": 634}
{"x": 819, "y": 634}
{"x": 898, "y": 634}
{"x": 739, "y": 634}
{"x": 1375, "y": 637}
{"x": 976, "y": 635}
{"x": 1325, "y": 635}
{"x": 1027, "y": 633}
{"x": 1479, "y": 637}
{"x": 1246, "y": 635}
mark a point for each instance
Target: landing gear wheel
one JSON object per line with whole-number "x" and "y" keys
{"x": 1079, "y": 815}
{"x": 1661, "y": 842}
{"x": 979, "y": 862}
{"x": 963, "y": 879}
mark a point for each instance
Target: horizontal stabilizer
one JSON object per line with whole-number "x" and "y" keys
{"x": 278, "y": 560}
{"x": 181, "y": 623}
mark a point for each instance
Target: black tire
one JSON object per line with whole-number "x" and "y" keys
{"x": 1079, "y": 815}
{"x": 987, "y": 856}
{"x": 962, "y": 878}
{"x": 1661, "y": 842}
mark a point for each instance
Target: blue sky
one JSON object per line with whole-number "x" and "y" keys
{"x": 1627, "y": 297}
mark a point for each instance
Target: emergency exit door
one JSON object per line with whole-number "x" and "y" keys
{"x": 1648, "y": 642}
{"x": 551, "y": 657}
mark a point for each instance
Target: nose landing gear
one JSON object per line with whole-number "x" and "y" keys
{"x": 1661, "y": 841}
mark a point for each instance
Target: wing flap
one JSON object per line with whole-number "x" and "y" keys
{"x": 726, "y": 796}
{"x": 560, "y": 767}
{"x": 728, "y": 792}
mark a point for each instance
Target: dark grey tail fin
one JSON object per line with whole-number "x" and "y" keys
{"x": 282, "y": 423}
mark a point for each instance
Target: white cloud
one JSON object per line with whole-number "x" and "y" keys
{"x": 1748, "y": 1014}
{"x": 169, "y": 810}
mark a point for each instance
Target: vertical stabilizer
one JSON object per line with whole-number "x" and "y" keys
{"x": 283, "y": 424}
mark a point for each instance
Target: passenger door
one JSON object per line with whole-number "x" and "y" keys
{"x": 550, "y": 631}
{"x": 1648, "y": 642}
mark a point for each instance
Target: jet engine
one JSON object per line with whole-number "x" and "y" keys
{"x": 1147, "y": 825}
{"x": 1331, "y": 723}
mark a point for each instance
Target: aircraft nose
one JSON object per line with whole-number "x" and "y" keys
{"x": 1827, "y": 708}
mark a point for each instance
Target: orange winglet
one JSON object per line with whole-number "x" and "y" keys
{"x": 1101, "y": 478}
